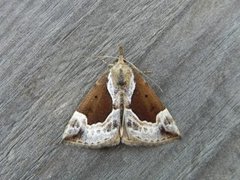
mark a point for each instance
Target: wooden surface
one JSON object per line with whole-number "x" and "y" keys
{"x": 47, "y": 64}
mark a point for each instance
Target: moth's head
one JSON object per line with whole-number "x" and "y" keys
{"x": 121, "y": 72}
{"x": 120, "y": 59}
{"x": 121, "y": 55}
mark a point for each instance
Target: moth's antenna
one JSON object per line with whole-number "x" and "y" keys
{"x": 107, "y": 57}
{"x": 144, "y": 75}
{"x": 102, "y": 58}
{"x": 121, "y": 53}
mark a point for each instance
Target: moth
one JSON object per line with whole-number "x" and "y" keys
{"x": 121, "y": 108}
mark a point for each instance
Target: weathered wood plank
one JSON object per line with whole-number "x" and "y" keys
{"x": 192, "y": 48}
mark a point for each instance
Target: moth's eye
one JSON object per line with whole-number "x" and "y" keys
{"x": 146, "y": 96}
{"x": 96, "y": 97}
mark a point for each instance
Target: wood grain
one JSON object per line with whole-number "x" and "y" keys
{"x": 47, "y": 64}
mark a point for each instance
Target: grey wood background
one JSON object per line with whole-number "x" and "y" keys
{"x": 47, "y": 64}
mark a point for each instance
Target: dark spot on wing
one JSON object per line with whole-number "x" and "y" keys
{"x": 135, "y": 126}
{"x": 109, "y": 127}
{"x": 152, "y": 108}
{"x": 167, "y": 121}
{"x": 129, "y": 123}
{"x": 162, "y": 130}
{"x": 115, "y": 124}
{"x": 80, "y": 133}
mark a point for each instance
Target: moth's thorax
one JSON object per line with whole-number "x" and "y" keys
{"x": 121, "y": 75}
{"x": 121, "y": 84}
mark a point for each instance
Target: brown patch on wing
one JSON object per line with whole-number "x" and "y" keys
{"x": 145, "y": 103}
{"x": 97, "y": 104}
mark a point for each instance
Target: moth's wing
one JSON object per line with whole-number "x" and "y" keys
{"x": 97, "y": 104}
{"x": 145, "y": 103}
{"x": 94, "y": 124}
{"x": 148, "y": 122}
